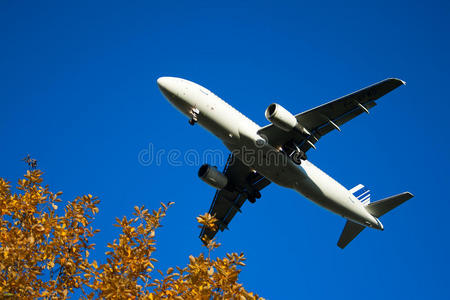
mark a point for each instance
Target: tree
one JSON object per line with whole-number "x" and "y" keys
{"x": 45, "y": 252}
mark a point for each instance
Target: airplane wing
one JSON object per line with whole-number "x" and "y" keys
{"x": 229, "y": 200}
{"x": 327, "y": 117}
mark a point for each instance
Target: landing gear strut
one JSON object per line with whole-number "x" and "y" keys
{"x": 194, "y": 119}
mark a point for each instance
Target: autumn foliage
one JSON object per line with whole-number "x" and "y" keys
{"x": 45, "y": 250}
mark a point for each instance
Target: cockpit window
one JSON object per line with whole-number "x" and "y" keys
{"x": 204, "y": 91}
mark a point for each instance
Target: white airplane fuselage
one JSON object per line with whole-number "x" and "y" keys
{"x": 240, "y": 135}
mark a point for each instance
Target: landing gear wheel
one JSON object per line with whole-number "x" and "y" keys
{"x": 297, "y": 158}
{"x": 255, "y": 195}
{"x": 194, "y": 116}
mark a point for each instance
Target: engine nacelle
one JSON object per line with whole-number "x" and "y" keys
{"x": 212, "y": 176}
{"x": 280, "y": 117}
{"x": 283, "y": 119}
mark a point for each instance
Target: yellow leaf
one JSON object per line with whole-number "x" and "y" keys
{"x": 50, "y": 265}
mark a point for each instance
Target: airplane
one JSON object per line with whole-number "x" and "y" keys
{"x": 277, "y": 153}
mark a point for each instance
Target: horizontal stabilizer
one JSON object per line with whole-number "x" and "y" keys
{"x": 379, "y": 208}
{"x": 351, "y": 230}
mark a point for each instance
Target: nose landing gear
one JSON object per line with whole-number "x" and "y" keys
{"x": 194, "y": 116}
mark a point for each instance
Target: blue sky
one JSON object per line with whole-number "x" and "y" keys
{"x": 78, "y": 92}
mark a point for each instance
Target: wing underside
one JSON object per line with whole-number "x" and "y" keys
{"x": 330, "y": 116}
{"x": 228, "y": 201}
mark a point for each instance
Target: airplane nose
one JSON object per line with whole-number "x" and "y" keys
{"x": 168, "y": 86}
{"x": 162, "y": 82}
{"x": 165, "y": 86}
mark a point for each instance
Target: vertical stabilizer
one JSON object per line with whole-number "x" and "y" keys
{"x": 361, "y": 193}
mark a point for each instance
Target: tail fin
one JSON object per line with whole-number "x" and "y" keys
{"x": 379, "y": 208}
{"x": 376, "y": 209}
{"x": 361, "y": 193}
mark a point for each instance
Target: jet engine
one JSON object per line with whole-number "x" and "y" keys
{"x": 212, "y": 176}
{"x": 283, "y": 119}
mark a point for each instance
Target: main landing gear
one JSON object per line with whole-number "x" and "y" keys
{"x": 255, "y": 195}
{"x": 294, "y": 153}
{"x": 252, "y": 193}
{"x": 194, "y": 116}
{"x": 298, "y": 156}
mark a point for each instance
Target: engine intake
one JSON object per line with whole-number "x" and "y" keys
{"x": 283, "y": 119}
{"x": 280, "y": 117}
{"x": 212, "y": 176}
